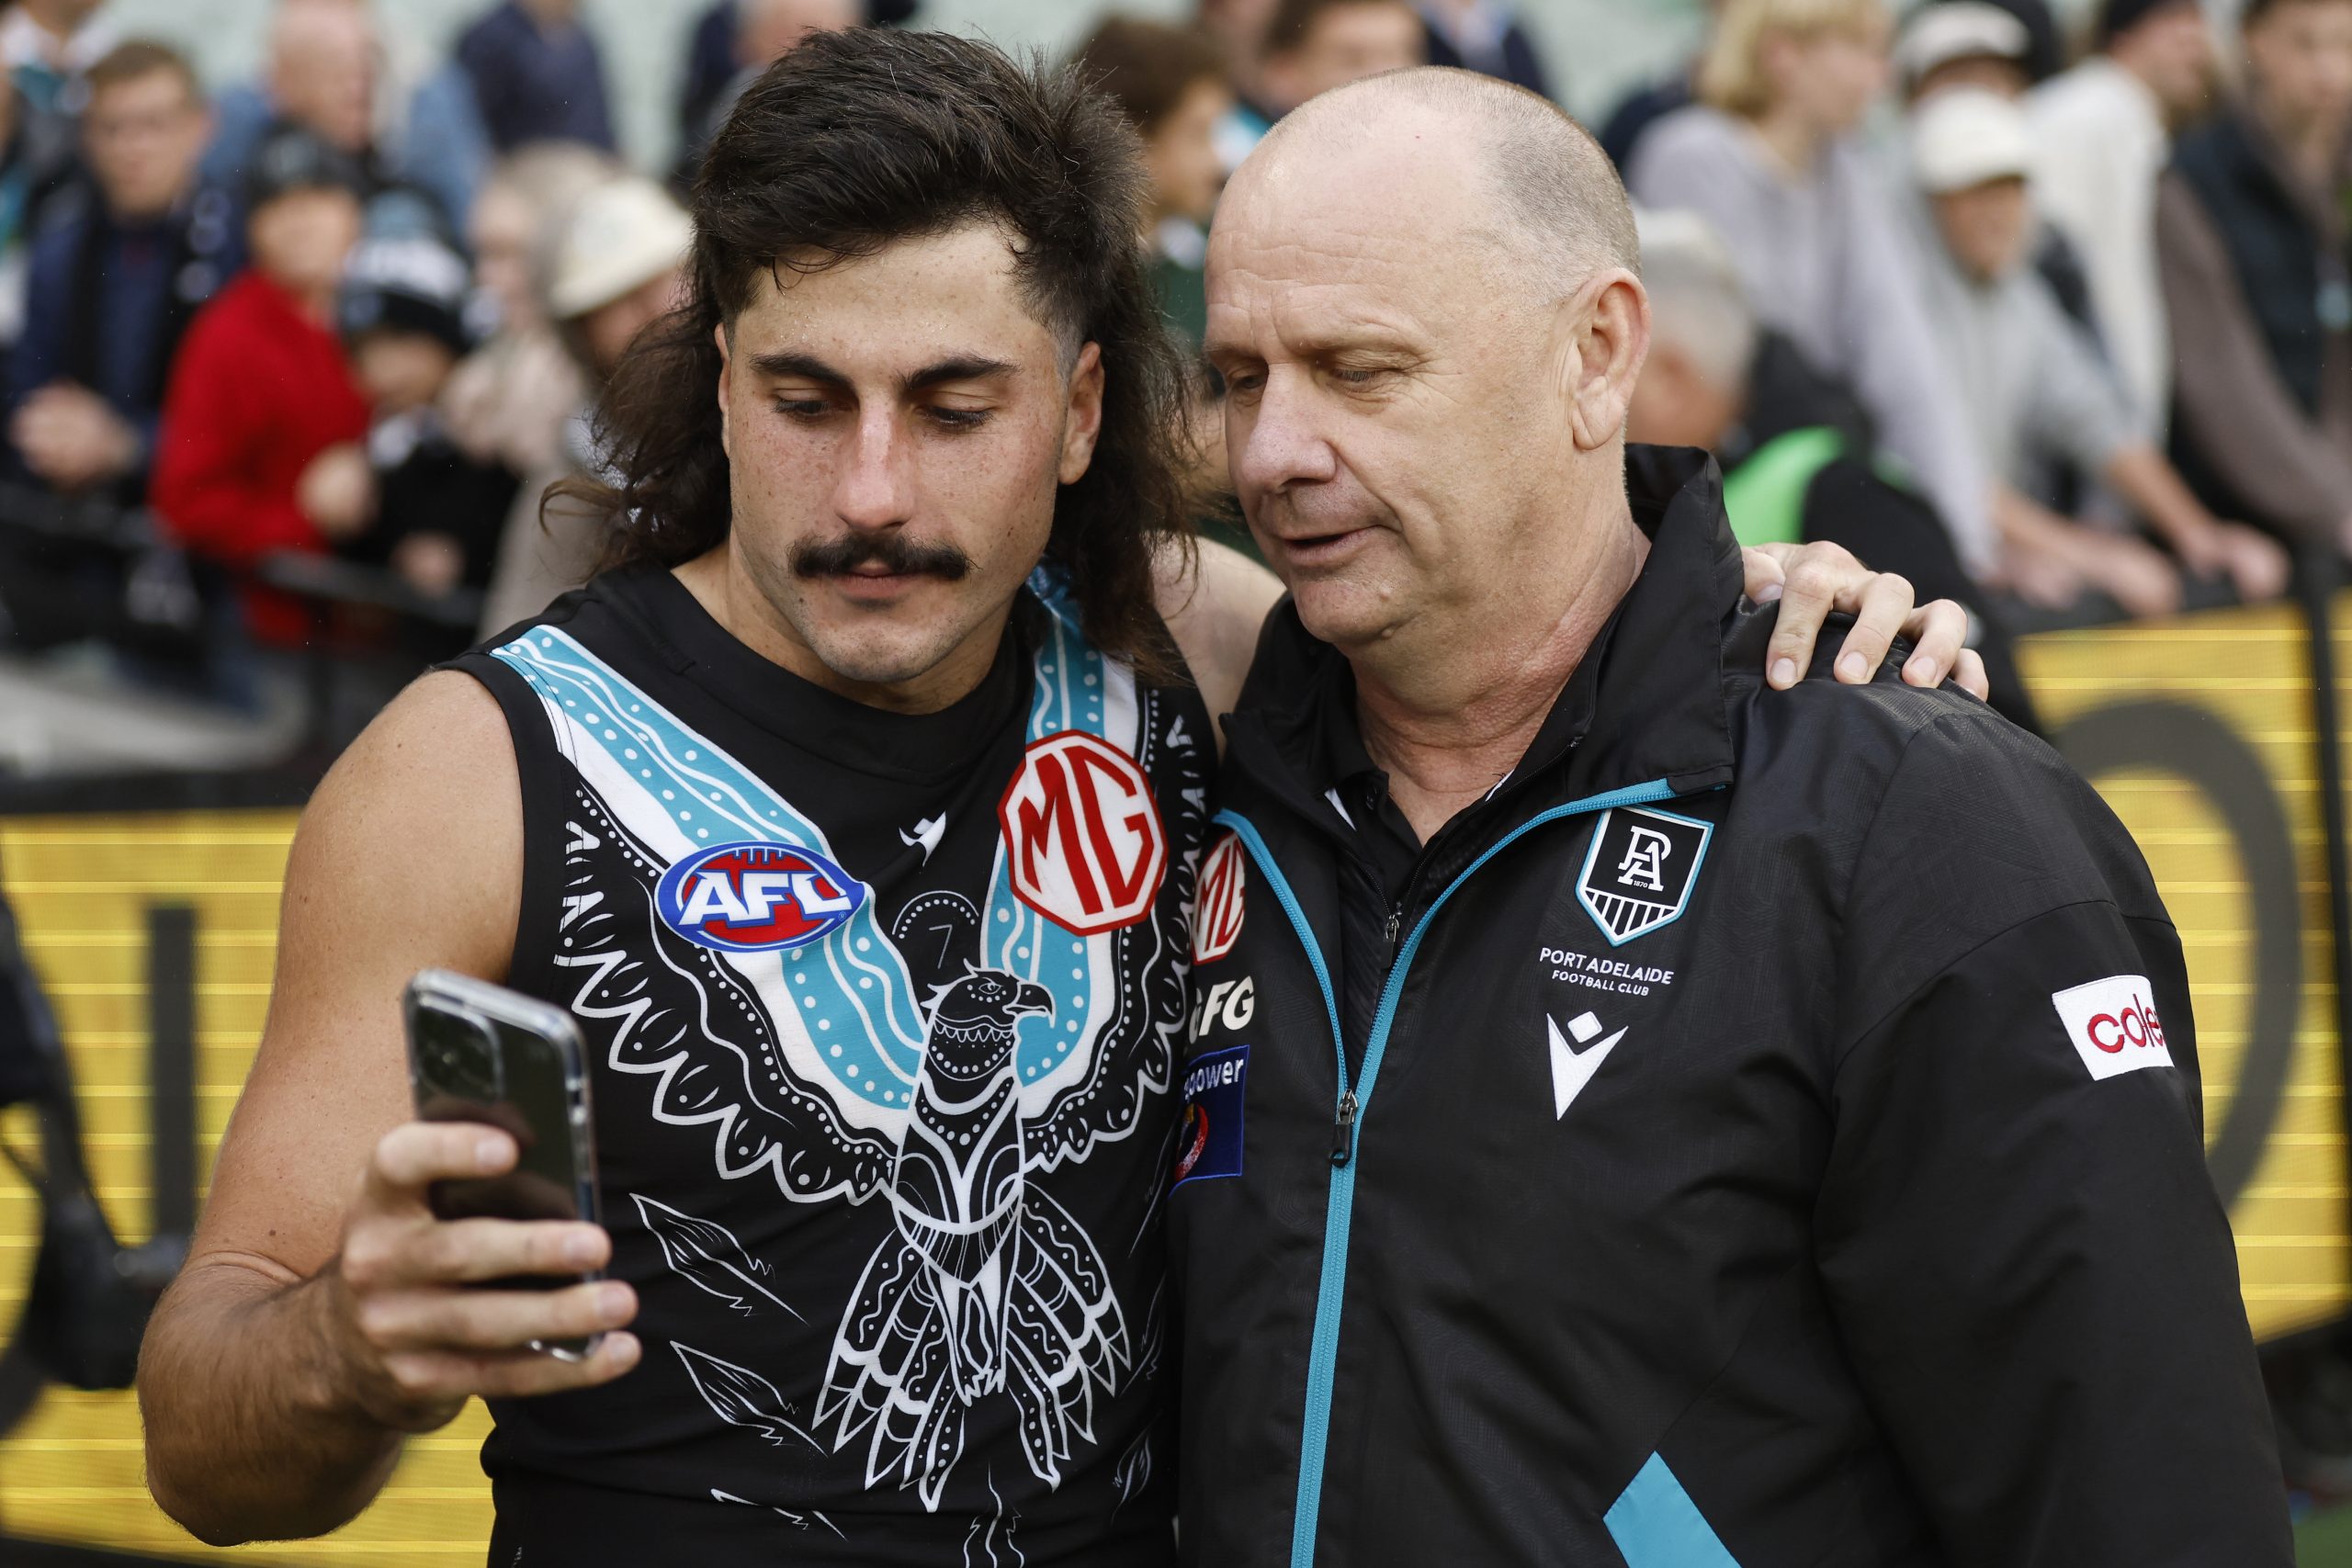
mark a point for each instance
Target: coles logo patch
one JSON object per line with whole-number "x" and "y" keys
{"x": 1209, "y": 1142}
{"x": 2113, "y": 1025}
{"x": 1083, "y": 835}
{"x": 1217, "y": 915}
{"x": 756, "y": 896}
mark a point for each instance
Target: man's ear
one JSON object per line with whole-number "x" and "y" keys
{"x": 1609, "y": 338}
{"x": 725, "y": 407}
{"x": 1082, "y": 419}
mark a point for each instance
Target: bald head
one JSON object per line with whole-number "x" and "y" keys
{"x": 322, "y": 69}
{"x": 1557, "y": 196}
{"x": 1422, "y": 298}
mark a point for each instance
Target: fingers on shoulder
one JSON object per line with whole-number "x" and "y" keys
{"x": 1820, "y": 576}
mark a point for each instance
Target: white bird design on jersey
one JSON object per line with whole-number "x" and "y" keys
{"x": 985, "y": 1285}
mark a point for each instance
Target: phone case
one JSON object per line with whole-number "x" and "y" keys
{"x": 481, "y": 1053}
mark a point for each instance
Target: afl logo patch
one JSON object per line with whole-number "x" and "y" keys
{"x": 1217, "y": 915}
{"x": 756, "y": 896}
{"x": 1638, "y": 875}
{"x": 1083, "y": 836}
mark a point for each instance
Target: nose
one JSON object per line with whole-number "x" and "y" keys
{"x": 873, "y": 490}
{"x": 1276, "y": 441}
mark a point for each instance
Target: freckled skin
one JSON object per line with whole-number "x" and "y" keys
{"x": 973, "y": 463}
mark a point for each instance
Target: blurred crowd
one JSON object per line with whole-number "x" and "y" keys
{"x": 2055, "y": 322}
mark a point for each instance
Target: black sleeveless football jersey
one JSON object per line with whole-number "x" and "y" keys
{"x": 881, "y": 1011}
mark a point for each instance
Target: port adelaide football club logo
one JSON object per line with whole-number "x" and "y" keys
{"x": 1638, "y": 875}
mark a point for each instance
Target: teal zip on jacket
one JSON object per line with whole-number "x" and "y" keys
{"x": 1777, "y": 1144}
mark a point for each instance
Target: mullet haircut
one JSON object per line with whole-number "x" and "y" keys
{"x": 857, "y": 139}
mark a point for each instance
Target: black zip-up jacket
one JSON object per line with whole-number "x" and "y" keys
{"x": 1777, "y": 1144}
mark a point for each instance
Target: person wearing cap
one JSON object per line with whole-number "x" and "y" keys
{"x": 438, "y": 511}
{"x": 1975, "y": 43}
{"x": 610, "y": 270}
{"x": 2036, "y": 392}
{"x": 261, "y": 448}
{"x": 2252, "y": 239}
{"x": 1772, "y": 156}
{"x": 510, "y": 400}
{"x": 1963, "y": 43}
{"x": 1799, "y": 465}
{"x": 2102, "y": 132}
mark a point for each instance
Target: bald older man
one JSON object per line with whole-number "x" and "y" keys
{"x": 1636, "y": 1114}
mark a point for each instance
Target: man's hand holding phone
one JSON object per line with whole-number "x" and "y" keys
{"x": 416, "y": 1332}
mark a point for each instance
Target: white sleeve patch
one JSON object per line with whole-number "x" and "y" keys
{"x": 2113, "y": 1025}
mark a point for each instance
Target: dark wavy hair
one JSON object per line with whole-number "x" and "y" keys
{"x": 858, "y": 139}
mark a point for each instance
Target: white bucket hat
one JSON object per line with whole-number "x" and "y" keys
{"x": 618, "y": 238}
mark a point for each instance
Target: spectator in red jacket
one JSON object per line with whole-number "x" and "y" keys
{"x": 262, "y": 431}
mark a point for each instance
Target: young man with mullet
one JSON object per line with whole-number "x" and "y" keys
{"x": 854, "y": 814}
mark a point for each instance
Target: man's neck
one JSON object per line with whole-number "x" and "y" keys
{"x": 744, "y": 610}
{"x": 1448, "y": 714}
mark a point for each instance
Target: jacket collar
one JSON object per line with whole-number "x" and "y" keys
{"x": 1648, "y": 704}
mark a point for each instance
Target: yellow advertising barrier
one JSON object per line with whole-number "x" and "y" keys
{"x": 2199, "y": 732}
{"x": 84, "y": 888}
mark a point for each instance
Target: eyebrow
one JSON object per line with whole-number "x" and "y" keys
{"x": 807, "y": 368}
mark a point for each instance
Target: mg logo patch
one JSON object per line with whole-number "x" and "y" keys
{"x": 1638, "y": 875}
{"x": 1081, "y": 834}
{"x": 1217, "y": 912}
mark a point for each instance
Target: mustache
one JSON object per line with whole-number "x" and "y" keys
{"x": 893, "y": 551}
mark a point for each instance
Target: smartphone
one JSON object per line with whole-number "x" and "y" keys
{"x": 481, "y": 1053}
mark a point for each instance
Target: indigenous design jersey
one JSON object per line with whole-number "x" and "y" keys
{"x": 881, "y": 1012}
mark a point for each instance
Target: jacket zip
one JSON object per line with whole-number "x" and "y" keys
{"x": 1354, "y": 1101}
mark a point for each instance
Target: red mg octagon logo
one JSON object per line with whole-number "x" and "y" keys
{"x": 1083, "y": 834}
{"x": 1217, "y": 915}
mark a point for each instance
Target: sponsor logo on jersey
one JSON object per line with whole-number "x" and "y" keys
{"x": 756, "y": 896}
{"x": 1208, "y": 1143}
{"x": 1638, "y": 875}
{"x": 1577, "y": 1056}
{"x": 1228, "y": 1004}
{"x": 2113, "y": 1025}
{"x": 1083, "y": 834}
{"x": 1217, "y": 915}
